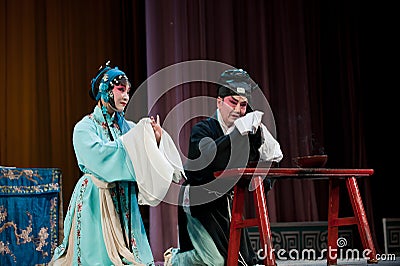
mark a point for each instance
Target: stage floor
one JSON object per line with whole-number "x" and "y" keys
{"x": 340, "y": 262}
{"x": 323, "y": 263}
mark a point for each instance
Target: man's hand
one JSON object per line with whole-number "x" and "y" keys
{"x": 156, "y": 128}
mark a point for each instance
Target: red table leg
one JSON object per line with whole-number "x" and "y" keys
{"x": 264, "y": 225}
{"x": 235, "y": 228}
{"x": 361, "y": 218}
{"x": 261, "y": 220}
{"x": 333, "y": 214}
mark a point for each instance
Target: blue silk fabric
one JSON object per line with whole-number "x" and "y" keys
{"x": 29, "y": 215}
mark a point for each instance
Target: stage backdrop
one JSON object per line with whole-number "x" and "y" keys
{"x": 314, "y": 61}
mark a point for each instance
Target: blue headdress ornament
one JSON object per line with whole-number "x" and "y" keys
{"x": 109, "y": 77}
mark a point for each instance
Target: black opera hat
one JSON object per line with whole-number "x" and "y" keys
{"x": 235, "y": 82}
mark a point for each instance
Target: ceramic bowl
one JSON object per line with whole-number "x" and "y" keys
{"x": 311, "y": 161}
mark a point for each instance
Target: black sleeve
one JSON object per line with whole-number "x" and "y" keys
{"x": 255, "y": 142}
{"x": 211, "y": 152}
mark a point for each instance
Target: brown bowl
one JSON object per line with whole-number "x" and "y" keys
{"x": 311, "y": 161}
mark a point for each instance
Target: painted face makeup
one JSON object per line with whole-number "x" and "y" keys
{"x": 121, "y": 97}
{"x": 231, "y": 108}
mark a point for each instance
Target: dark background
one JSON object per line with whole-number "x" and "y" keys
{"x": 328, "y": 69}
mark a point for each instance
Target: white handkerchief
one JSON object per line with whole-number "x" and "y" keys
{"x": 249, "y": 123}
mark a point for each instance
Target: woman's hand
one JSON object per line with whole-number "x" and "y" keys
{"x": 156, "y": 128}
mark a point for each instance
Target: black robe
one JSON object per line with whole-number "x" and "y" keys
{"x": 231, "y": 151}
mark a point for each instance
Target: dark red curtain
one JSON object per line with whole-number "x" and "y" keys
{"x": 305, "y": 55}
{"x": 327, "y": 68}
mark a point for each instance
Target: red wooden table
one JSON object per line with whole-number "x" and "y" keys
{"x": 256, "y": 175}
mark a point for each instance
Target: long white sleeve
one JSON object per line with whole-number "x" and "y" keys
{"x": 155, "y": 168}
